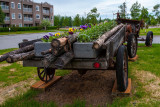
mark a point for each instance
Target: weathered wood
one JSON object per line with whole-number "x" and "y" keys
{"x": 60, "y": 51}
{"x": 20, "y": 50}
{"x": 64, "y": 59}
{"x": 26, "y": 43}
{"x": 46, "y": 52}
{"x": 19, "y": 57}
{"x": 99, "y": 42}
{"x": 56, "y": 43}
{"x": 48, "y": 59}
{"x": 72, "y": 38}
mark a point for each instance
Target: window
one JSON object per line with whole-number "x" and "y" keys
{"x": 37, "y": 16}
{"x": 13, "y": 16}
{"x": 19, "y": 16}
{"x": 51, "y": 17}
{"x": 20, "y": 25}
{"x": 12, "y": 5}
{"x": 51, "y": 10}
{"x": 37, "y": 8}
{"x": 19, "y": 5}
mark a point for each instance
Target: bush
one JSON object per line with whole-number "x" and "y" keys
{"x": 14, "y": 29}
{"x": 52, "y": 27}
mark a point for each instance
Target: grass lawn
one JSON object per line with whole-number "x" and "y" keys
{"x": 156, "y": 31}
{"x": 147, "y": 63}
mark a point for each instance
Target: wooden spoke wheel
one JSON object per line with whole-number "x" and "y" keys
{"x": 46, "y": 74}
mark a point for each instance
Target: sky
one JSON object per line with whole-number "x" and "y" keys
{"x": 106, "y": 8}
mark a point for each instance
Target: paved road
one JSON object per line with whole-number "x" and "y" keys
{"x": 11, "y": 41}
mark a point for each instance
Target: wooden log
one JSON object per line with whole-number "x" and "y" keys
{"x": 19, "y": 57}
{"x": 57, "y": 43}
{"x": 46, "y": 52}
{"x": 64, "y": 59}
{"x": 59, "y": 51}
{"x": 26, "y": 43}
{"x": 99, "y": 42}
{"x": 48, "y": 59}
{"x": 20, "y": 50}
{"x": 72, "y": 38}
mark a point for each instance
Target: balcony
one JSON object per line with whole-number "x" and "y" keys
{"x": 7, "y": 19}
{"x": 27, "y": 9}
{"x": 46, "y": 12}
{"x": 28, "y": 19}
{"x": 4, "y": 7}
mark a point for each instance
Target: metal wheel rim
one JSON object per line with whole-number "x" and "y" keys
{"x": 133, "y": 46}
{"x": 151, "y": 40}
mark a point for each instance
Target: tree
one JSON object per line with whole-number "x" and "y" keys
{"x": 93, "y": 15}
{"x": 45, "y": 24}
{"x": 135, "y": 10}
{"x": 57, "y": 20}
{"x": 144, "y": 15}
{"x": 156, "y": 9}
{"x": 123, "y": 11}
{"x": 62, "y": 21}
{"x": 66, "y": 21}
{"x": 77, "y": 20}
{"x": 100, "y": 20}
{"x": 70, "y": 21}
{"x": 152, "y": 20}
{"x": 2, "y": 16}
{"x": 83, "y": 21}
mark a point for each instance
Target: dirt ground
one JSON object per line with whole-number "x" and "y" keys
{"x": 94, "y": 87}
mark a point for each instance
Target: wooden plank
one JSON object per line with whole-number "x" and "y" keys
{"x": 115, "y": 92}
{"x": 47, "y": 85}
{"x": 37, "y": 84}
{"x": 40, "y": 85}
{"x": 133, "y": 59}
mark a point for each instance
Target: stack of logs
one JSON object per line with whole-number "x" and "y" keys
{"x": 60, "y": 53}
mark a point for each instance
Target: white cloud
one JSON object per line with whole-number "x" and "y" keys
{"x": 106, "y": 8}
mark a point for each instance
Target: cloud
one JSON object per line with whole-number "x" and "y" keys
{"x": 106, "y": 8}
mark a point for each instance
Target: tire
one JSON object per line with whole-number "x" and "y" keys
{"x": 149, "y": 38}
{"x": 122, "y": 68}
{"x": 132, "y": 45}
{"x": 82, "y": 72}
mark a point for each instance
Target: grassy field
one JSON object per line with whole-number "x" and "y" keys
{"x": 156, "y": 31}
{"x": 144, "y": 72}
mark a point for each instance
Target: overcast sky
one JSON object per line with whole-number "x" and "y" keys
{"x": 106, "y": 8}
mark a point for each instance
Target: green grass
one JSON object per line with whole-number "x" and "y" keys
{"x": 148, "y": 61}
{"x": 156, "y": 31}
{"x": 6, "y": 50}
{"x": 24, "y": 32}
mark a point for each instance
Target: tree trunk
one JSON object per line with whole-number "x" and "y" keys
{"x": 99, "y": 42}
{"x": 20, "y": 50}
{"x": 48, "y": 59}
{"x": 19, "y": 57}
{"x": 26, "y": 43}
{"x": 60, "y": 51}
{"x": 64, "y": 59}
{"x": 57, "y": 43}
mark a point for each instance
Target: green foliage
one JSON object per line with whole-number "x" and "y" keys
{"x": 45, "y": 23}
{"x": 156, "y": 9}
{"x": 156, "y": 31}
{"x": 77, "y": 20}
{"x": 135, "y": 10}
{"x": 57, "y": 20}
{"x": 123, "y": 10}
{"x": 2, "y": 16}
{"x": 93, "y": 15}
{"x": 95, "y": 32}
{"x": 144, "y": 14}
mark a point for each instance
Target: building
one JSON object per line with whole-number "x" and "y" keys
{"x": 26, "y": 13}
